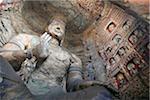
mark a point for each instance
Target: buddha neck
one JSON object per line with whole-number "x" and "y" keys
{"x": 54, "y": 42}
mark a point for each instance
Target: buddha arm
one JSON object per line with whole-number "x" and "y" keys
{"x": 13, "y": 54}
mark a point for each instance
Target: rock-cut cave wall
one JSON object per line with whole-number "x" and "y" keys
{"x": 111, "y": 51}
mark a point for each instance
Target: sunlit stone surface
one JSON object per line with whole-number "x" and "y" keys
{"x": 111, "y": 36}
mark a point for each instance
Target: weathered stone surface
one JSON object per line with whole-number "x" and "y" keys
{"x": 83, "y": 16}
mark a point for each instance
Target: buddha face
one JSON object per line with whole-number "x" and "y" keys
{"x": 136, "y": 61}
{"x": 111, "y": 27}
{"x": 127, "y": 25}
{"x": 112, "y": 61}
{"x": 133, "y": 39}
{"x": 117, "y": 39}
{"x": 130, "y": 66}
{"x": 57, "y": 28}
{"x": 121, "y": 51}
{"x": 120, "y": 76}
{"x": 138, "y": 33}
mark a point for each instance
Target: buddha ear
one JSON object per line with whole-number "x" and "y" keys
{"x": 61, "y": 42}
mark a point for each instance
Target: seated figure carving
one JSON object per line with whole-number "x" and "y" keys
{"x": 51, "y": 72}
{"x": 45, "y": 64}
{"x": 46, "y": 68}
